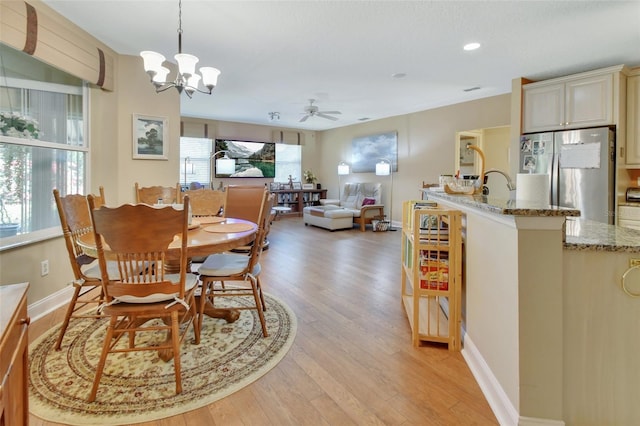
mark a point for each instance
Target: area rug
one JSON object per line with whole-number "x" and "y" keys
{"x": 139, "y": 387}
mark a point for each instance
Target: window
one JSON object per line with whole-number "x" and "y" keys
{"x": 288, "y": 162}
{"x": 194, "y": 161}
{"x": 42, "y": 145}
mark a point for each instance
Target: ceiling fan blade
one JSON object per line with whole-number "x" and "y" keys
{"x": 303, "y": 119}
{"x": 328, "y": 117}
{"x": 329, "y": 112}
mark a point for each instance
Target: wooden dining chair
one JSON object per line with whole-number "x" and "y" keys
{"x": 137, "y": 236}
{"x": 75, "y": 220}
{"x": 224, "y": 267}
{"x": 244, "y": 202}
{"x": 151, "y": 194}
{"x": 205, "y": 202}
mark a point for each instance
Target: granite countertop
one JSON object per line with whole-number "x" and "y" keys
{"x": 584, "y": 234}
{"x": 502, "y": 206}
{"x": 581, "y": 234}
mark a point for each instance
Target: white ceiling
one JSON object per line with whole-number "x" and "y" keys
{"x": 276, "y": 55}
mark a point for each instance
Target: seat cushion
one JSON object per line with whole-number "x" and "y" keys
{"x": 92, "y": 270}
{"x": 332, "y": 212}
{"x": 226, "y": 264}
{"x": 190, "y": 282}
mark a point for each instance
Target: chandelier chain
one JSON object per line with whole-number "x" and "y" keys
{"x": 179, "y": 26}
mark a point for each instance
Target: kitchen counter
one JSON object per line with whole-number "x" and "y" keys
{"x": 541, "y": 288}
{"x": 581, "y": 234}
{"x": 501, "y": 206}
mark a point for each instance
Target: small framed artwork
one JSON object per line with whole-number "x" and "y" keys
{"x": 296, "y": 185}
{"x": 150, "y": 138}
{"x": 307, "y": 186}
{"x": 274, "y": 186}
{"x": 529, "y": 162}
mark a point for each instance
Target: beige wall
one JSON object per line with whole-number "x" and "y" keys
{"x": 495, "y": 145}
{"x": 425, "y": 149}
{"x": 135, "y": 95}
{"x": 426, "y": 146}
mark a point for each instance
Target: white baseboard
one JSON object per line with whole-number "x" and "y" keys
{"x": 50, "y": 303}
{"x": 501, "y": 405}
{"x": 531, "y": 421}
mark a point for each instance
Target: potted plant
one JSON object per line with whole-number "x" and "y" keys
{"x": 18, "y": 125}
{"x": 309, "y": 179}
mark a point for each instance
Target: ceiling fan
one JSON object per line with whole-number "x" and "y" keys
{"x": 313, "y": 111}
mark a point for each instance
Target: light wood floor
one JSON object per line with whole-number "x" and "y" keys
{"x": 352, "y": 362}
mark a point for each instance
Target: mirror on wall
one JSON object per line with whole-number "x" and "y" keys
{"x": 495, "y": 144}
{"x": 466, "y": 161}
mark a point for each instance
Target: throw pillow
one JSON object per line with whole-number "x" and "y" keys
{"x": 368, "y": 201}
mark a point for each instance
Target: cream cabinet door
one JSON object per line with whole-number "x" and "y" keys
{"x": 570, "y": 104}
{"x": 633, "y": 120}
{"x": 589, "y": 101}
{"x": 543, "y": 108}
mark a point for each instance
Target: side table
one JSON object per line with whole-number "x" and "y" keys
{"x": 280, "y": 210}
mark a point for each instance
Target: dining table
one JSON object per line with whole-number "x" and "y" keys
{"x": 206, "y": 235}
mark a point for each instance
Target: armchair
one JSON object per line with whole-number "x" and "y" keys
{"x": 363, "y": 199}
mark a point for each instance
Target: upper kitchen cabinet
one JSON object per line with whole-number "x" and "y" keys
{"x": 632, "y": 156}
{"x": 582, "y": 100}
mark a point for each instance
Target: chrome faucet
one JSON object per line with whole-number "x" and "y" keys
{"x": 510, "y": 185}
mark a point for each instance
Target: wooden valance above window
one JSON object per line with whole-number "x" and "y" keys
{"x": 37, "y": 30}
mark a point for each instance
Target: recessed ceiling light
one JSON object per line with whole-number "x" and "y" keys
{"x": 471, "y": 89}
{"x": 398, "y": 75}
{"x": 471, "y": 46}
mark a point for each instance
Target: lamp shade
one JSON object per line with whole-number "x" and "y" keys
{"x": 186, "y": 63}
{"x": 383, "y": 168}
{"x": 193, "y": 81}
{"x": 152, "y": 60}
{"x": 225, "y": 165}
{"x": 161, "y": 75}
{"x": 209, "y": 76}
{"x": 343, "y": 169}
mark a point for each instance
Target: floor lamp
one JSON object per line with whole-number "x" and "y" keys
{"x": 385, "y": 168}
{"x": 343, "y": 169}
{"x": 188, "y": 168}
{"x": 224, "y": 165}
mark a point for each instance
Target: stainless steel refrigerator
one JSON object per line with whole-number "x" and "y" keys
{"x": 581, "y": 167}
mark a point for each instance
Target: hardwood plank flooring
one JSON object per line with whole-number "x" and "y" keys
{"x": 352, "y": 362}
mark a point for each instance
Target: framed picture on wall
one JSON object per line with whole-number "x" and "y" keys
{"x": 366, "y": 151}
{"x": 150, "y": 138}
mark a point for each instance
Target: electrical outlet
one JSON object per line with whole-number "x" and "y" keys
{"x": 634, "y": 262}
{"x": 44, "y": 268}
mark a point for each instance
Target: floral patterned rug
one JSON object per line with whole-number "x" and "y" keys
{"x": 138, "y": 386}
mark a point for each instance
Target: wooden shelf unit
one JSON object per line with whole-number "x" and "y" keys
{"x": 432, "y": 272}
{"x": 298, "y": 199}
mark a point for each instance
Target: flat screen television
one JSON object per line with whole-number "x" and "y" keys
{"x": 253, "y": 159}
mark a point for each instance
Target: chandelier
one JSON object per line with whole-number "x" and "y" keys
{"x": 187, "y": 80}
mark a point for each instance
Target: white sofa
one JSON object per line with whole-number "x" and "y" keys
{"x": 353, "y": 197}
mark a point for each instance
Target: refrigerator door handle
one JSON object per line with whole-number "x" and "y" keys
{"x": 554, "y": 174}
